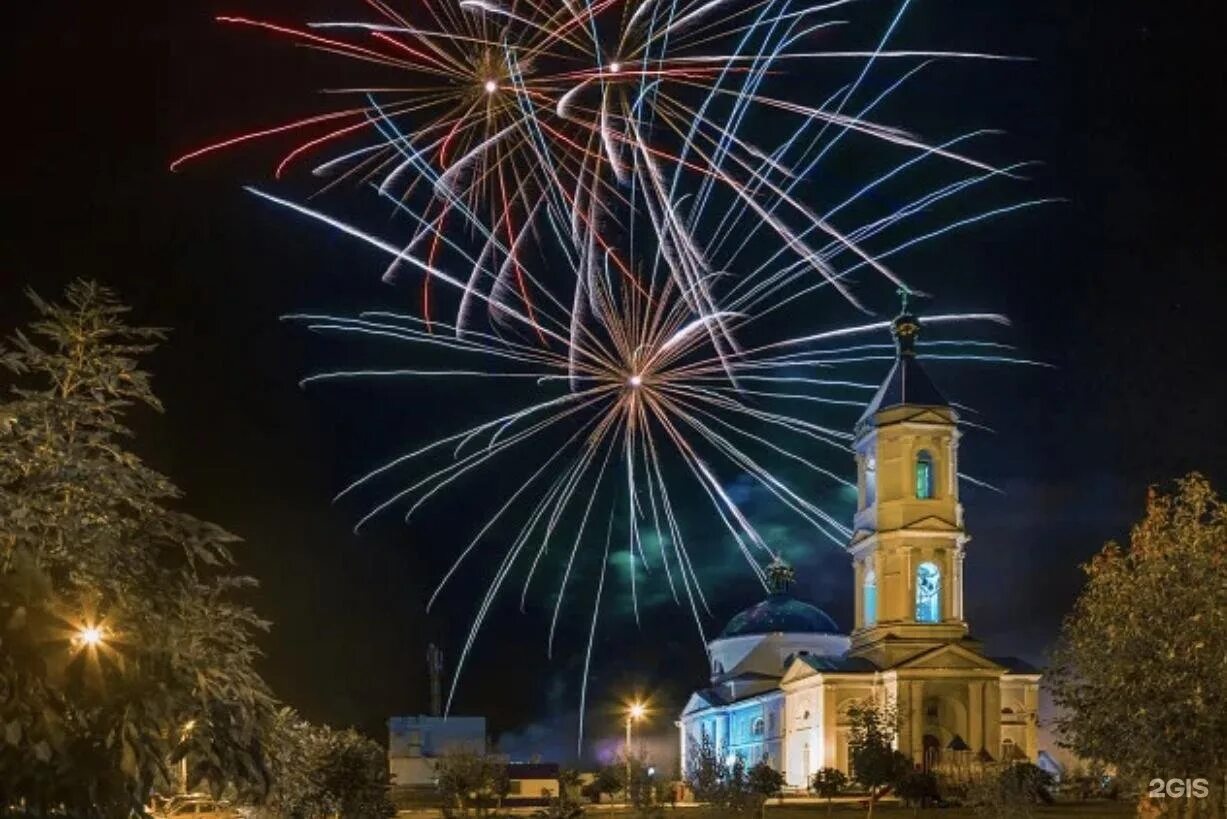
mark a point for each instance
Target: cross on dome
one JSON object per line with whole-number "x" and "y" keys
{"x": 780, "y": 576}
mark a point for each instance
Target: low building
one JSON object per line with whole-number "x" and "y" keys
{"x": 415, "y": 742}
{"x": 532, "y": 780}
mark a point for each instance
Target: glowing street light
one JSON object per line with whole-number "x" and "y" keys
{"x": 90, "y": 636}
{"x": 491, "y": 86}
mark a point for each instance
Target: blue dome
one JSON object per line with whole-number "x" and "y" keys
{"x": 780, "y": 613}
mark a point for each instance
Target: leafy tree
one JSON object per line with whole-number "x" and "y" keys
{"x": 608, "y": 781}
{"x": 568, "y": 783}
{"x": 120, "y": 626}
{"x": 829, "y": 783}
{"x": 1141, "y": 660}
{"x": 875, "y": 762}
{"x": 470, "y": 782}
{"x": 764, "y": 782}
{"x": 319, "y": 771}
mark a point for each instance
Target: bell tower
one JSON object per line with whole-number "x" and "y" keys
{"x": 908, "y": 539}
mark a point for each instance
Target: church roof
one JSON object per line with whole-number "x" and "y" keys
{"x": 1015, "y": 665}
{"x": 781, "y": 612}
{"x": 907, "y": 382}
{"x": 838, "y": 664}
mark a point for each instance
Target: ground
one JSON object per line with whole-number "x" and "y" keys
{"x": 818, "y": 810}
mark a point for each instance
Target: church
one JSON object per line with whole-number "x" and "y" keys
{"x": 783, "y": 674}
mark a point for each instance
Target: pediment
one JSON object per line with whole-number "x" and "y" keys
{"x": 797, "y": 670}
{"x": 947, "y": 657}
{"x": 697, "y": 702}
{"x": 933, "y": 523}
{"x": 927, "y": 416}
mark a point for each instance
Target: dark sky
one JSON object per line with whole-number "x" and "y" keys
{"x": 1121, "y": 289}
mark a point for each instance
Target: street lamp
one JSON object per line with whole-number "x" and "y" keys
{"x": 90, "y": 636}
{"x": 634, "y": 713}
{"x": 188, "y": 727}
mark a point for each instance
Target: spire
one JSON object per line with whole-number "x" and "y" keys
{"x": 907, "y": 383}
{"x": 906, "y": 326}
{"x": 780, "y": 576}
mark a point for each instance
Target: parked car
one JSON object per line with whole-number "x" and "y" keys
{"x": 198, "y": 808}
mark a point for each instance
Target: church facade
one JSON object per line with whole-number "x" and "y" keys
{"x": 783, "y": 675}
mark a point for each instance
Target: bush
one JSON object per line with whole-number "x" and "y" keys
{"x": 917, "y": 789}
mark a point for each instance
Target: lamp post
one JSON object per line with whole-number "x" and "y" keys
{"x": 188, "y": 727}
{"x": 634, "y": 713}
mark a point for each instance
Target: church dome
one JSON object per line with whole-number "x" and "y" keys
{"x": 780, "y": 612}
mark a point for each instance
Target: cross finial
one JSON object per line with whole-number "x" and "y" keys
{"x": 779, "y": 575}
{"x": 904, "y": 293}
{"x": 905, "y": 327}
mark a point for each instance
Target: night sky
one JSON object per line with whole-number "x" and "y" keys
{"x": 1120, "y": 288}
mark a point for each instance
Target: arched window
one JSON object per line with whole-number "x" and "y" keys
{"x": 756, "y": 727}
{"x": 924, "y": 475}
{"x": 871, "y": 598}
{"x": 928, "y": 593}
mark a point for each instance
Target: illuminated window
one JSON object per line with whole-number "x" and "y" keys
{"x": 756, "y": 727}
{"x": 928, "y": 593}
{"x": 924, "y": 475}
{"x": 871, "y": 598}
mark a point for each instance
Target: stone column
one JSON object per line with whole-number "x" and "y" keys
{"x": 1031, "y": 700}
{"x": 918, "y": 720}
{"x": 956, "y": 582}
{"x": 681, "y": 764}
{"x": 975, "y": 715}
{"x": 858, "y": 593}
{"x": 829, "y": 723}
{"x": 992, "y": 717}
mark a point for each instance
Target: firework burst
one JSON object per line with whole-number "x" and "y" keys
{"x": 590, "y": 184}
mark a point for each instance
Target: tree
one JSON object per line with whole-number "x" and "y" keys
{"x": 568, "y": 783}
{"x": 124, "y": 648}
{"x": 705, "y": 771}
{"x": 470, "y": 781}
{"x": 917, "y": 789}
{"x": 875, "y": 762}
{"x": 764, "y": 782}
{"x": 1141, "y": 659}
{"x": 829, "y": 783}
{"x": 319, "y": 771}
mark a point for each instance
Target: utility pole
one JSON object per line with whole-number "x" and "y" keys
{"x": 434, "y": 666}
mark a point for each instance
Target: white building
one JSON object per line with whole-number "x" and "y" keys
{"x": 782, "y": 673}
{"x": 414, "y": 743}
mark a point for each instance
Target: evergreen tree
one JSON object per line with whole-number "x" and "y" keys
{"x": 1141, "y": 663}
{"x": 123, "y": 646}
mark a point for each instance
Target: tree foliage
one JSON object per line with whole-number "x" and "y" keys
{"x": 1141, "y": 662}
{"x": 319, "y": 771}
{"x": 875, "y": 762}
{"x": 471, "y": 782}
{"x": 828, "y": 783}
{"x": 90, "y": 538}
